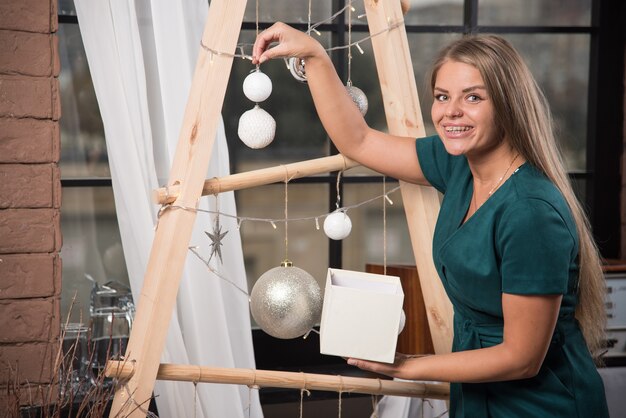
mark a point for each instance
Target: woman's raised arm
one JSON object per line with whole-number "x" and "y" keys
{"x": 387, "y": 154}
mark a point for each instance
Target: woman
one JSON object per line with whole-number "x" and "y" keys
{"x": 512, "y": 245}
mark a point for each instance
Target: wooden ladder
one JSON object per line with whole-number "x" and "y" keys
{"x": 141, "y": 366}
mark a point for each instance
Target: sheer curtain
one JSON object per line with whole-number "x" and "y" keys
{"x": 142, "y": 56}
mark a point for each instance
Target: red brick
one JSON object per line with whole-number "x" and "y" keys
{"x": 35, "y": 97}
{"x": 29, "y": 275}
{"x": 29, "y": 15}
{"x": 29, "y": 141}
{"x": 28, "y": 363}
{"x": 29, "y": 231}
{"x": 27, "y": 53}
{"x": 29, "y": 320}
{"x": 28, "y": 185}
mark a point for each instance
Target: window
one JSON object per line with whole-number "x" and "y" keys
{"x": 579, "y": 38}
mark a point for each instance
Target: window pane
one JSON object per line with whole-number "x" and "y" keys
{"x": 264, "y": 246}
{"x": 66, "y": 7}
{"x": 91, "y": 246}
{"x": 435, "y": 12}
{"x": 535, "y": 12}
{"x": 288, "y": 11}
{"x": 83, "y": 149}
{"x": 366, "y": 242}
{"x": 565, "y": 89}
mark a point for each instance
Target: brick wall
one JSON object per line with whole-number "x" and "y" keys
{"x": 30, "y": 196}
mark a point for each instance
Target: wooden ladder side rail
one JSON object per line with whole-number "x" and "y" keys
{"x": 404, "y": 117}
{"x": 261, "y": 177}
{"x": 291, "y": 380}
{"x": 169, "y": 248}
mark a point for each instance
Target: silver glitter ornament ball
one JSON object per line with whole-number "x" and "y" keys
{"x": 358, "y": 97}
{"x": 286, "y": 301}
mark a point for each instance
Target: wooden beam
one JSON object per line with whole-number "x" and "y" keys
{"x": 169, "y": 249}
{"x": 402, "y": 108}
{"x": 260, "y": 177}
{"x": 292, "y": 380}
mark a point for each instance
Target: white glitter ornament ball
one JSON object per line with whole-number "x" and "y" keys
{"x": 358, "y": 97}
{"x": 257, "y": 86}
{"x": 337, "y": 225}
{"x": 402, "y": 321}
{"x": 256, "y": 128}
{"x": 286, "y": 301}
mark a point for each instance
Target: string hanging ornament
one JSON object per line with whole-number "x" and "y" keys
{"x": 356, "y": 94}
{"x": 256, "y": 127}
{"x": 286, "y": 301}
{"x": 338, "y": 225}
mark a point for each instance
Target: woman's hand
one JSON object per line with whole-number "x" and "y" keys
{"x": 291, "y": 43}
{"x": 399, "y": 368}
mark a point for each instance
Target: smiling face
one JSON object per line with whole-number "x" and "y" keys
{"x": 463, "y": 113}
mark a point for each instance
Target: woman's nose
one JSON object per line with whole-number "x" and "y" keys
{"x": 453, "y": 110}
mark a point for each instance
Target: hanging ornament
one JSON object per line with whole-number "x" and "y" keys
{"x": 216, "y": 239}
{"x": 286, "y": 301}
{"x": 337, "y": 225}
{"x": 358, "y": 97}
{"x": 402, "y": 321}
{"x": 296, "y": 68}
{"x": 256, "y": 128}
{"x": 257, "y": 86}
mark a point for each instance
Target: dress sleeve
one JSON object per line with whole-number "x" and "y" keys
{"x": 434, "y": 161}
{"x": 536, "y": 248}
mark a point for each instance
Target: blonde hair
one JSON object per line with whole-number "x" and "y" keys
{"x": 522, "y": 112}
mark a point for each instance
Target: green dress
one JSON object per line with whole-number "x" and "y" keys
{"x": 522, "y": 240}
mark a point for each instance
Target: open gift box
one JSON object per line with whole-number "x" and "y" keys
{"x": 361, "y": 315}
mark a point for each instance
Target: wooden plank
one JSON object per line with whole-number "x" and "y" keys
{"x": 402, "y": 108}
{"x": 169, "y": 249}
{"x": 261, "y": 177}
{"x": 290, "y": 380}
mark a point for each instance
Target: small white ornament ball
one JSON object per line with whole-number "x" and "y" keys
{"x": 256, "y": 128}
{"x": 257, "y": 86}
{"x": 402, "y": 321}
{"x": 337, "y": 225}
{"x": 286, "y": 301}
{"x": 358, "y": 97}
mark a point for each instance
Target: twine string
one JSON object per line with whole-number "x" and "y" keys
{"x": 338, "y": 186}
{"x": 302, "y": 390}
{"x": 384, "y": 228}
{"x": 349, "y": 82}
{"x": 257, "y": 26}
{"x": 286, "y": 213}
{"x": 340, "y": 393}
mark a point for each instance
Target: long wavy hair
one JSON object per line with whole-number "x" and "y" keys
{"x": 523, "y": 114}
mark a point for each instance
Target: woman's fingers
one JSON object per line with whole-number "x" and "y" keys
{"x": 291, "y": 43}
{"x": 262, "y": 43}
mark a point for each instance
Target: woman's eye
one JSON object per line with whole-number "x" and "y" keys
{"x": 441, "y": 97}
{"x": 473, "y": 98}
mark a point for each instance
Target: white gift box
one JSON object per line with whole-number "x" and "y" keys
{"x": 361, "y": 315}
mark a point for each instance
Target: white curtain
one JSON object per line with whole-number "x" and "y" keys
{"x": 142, "y": 56}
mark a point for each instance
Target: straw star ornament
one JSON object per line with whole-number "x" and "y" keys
{"x": 216, "y": 239}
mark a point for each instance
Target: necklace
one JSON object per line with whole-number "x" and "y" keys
{"x": 474, "y": 204}
{"x": 503, "y": 175}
